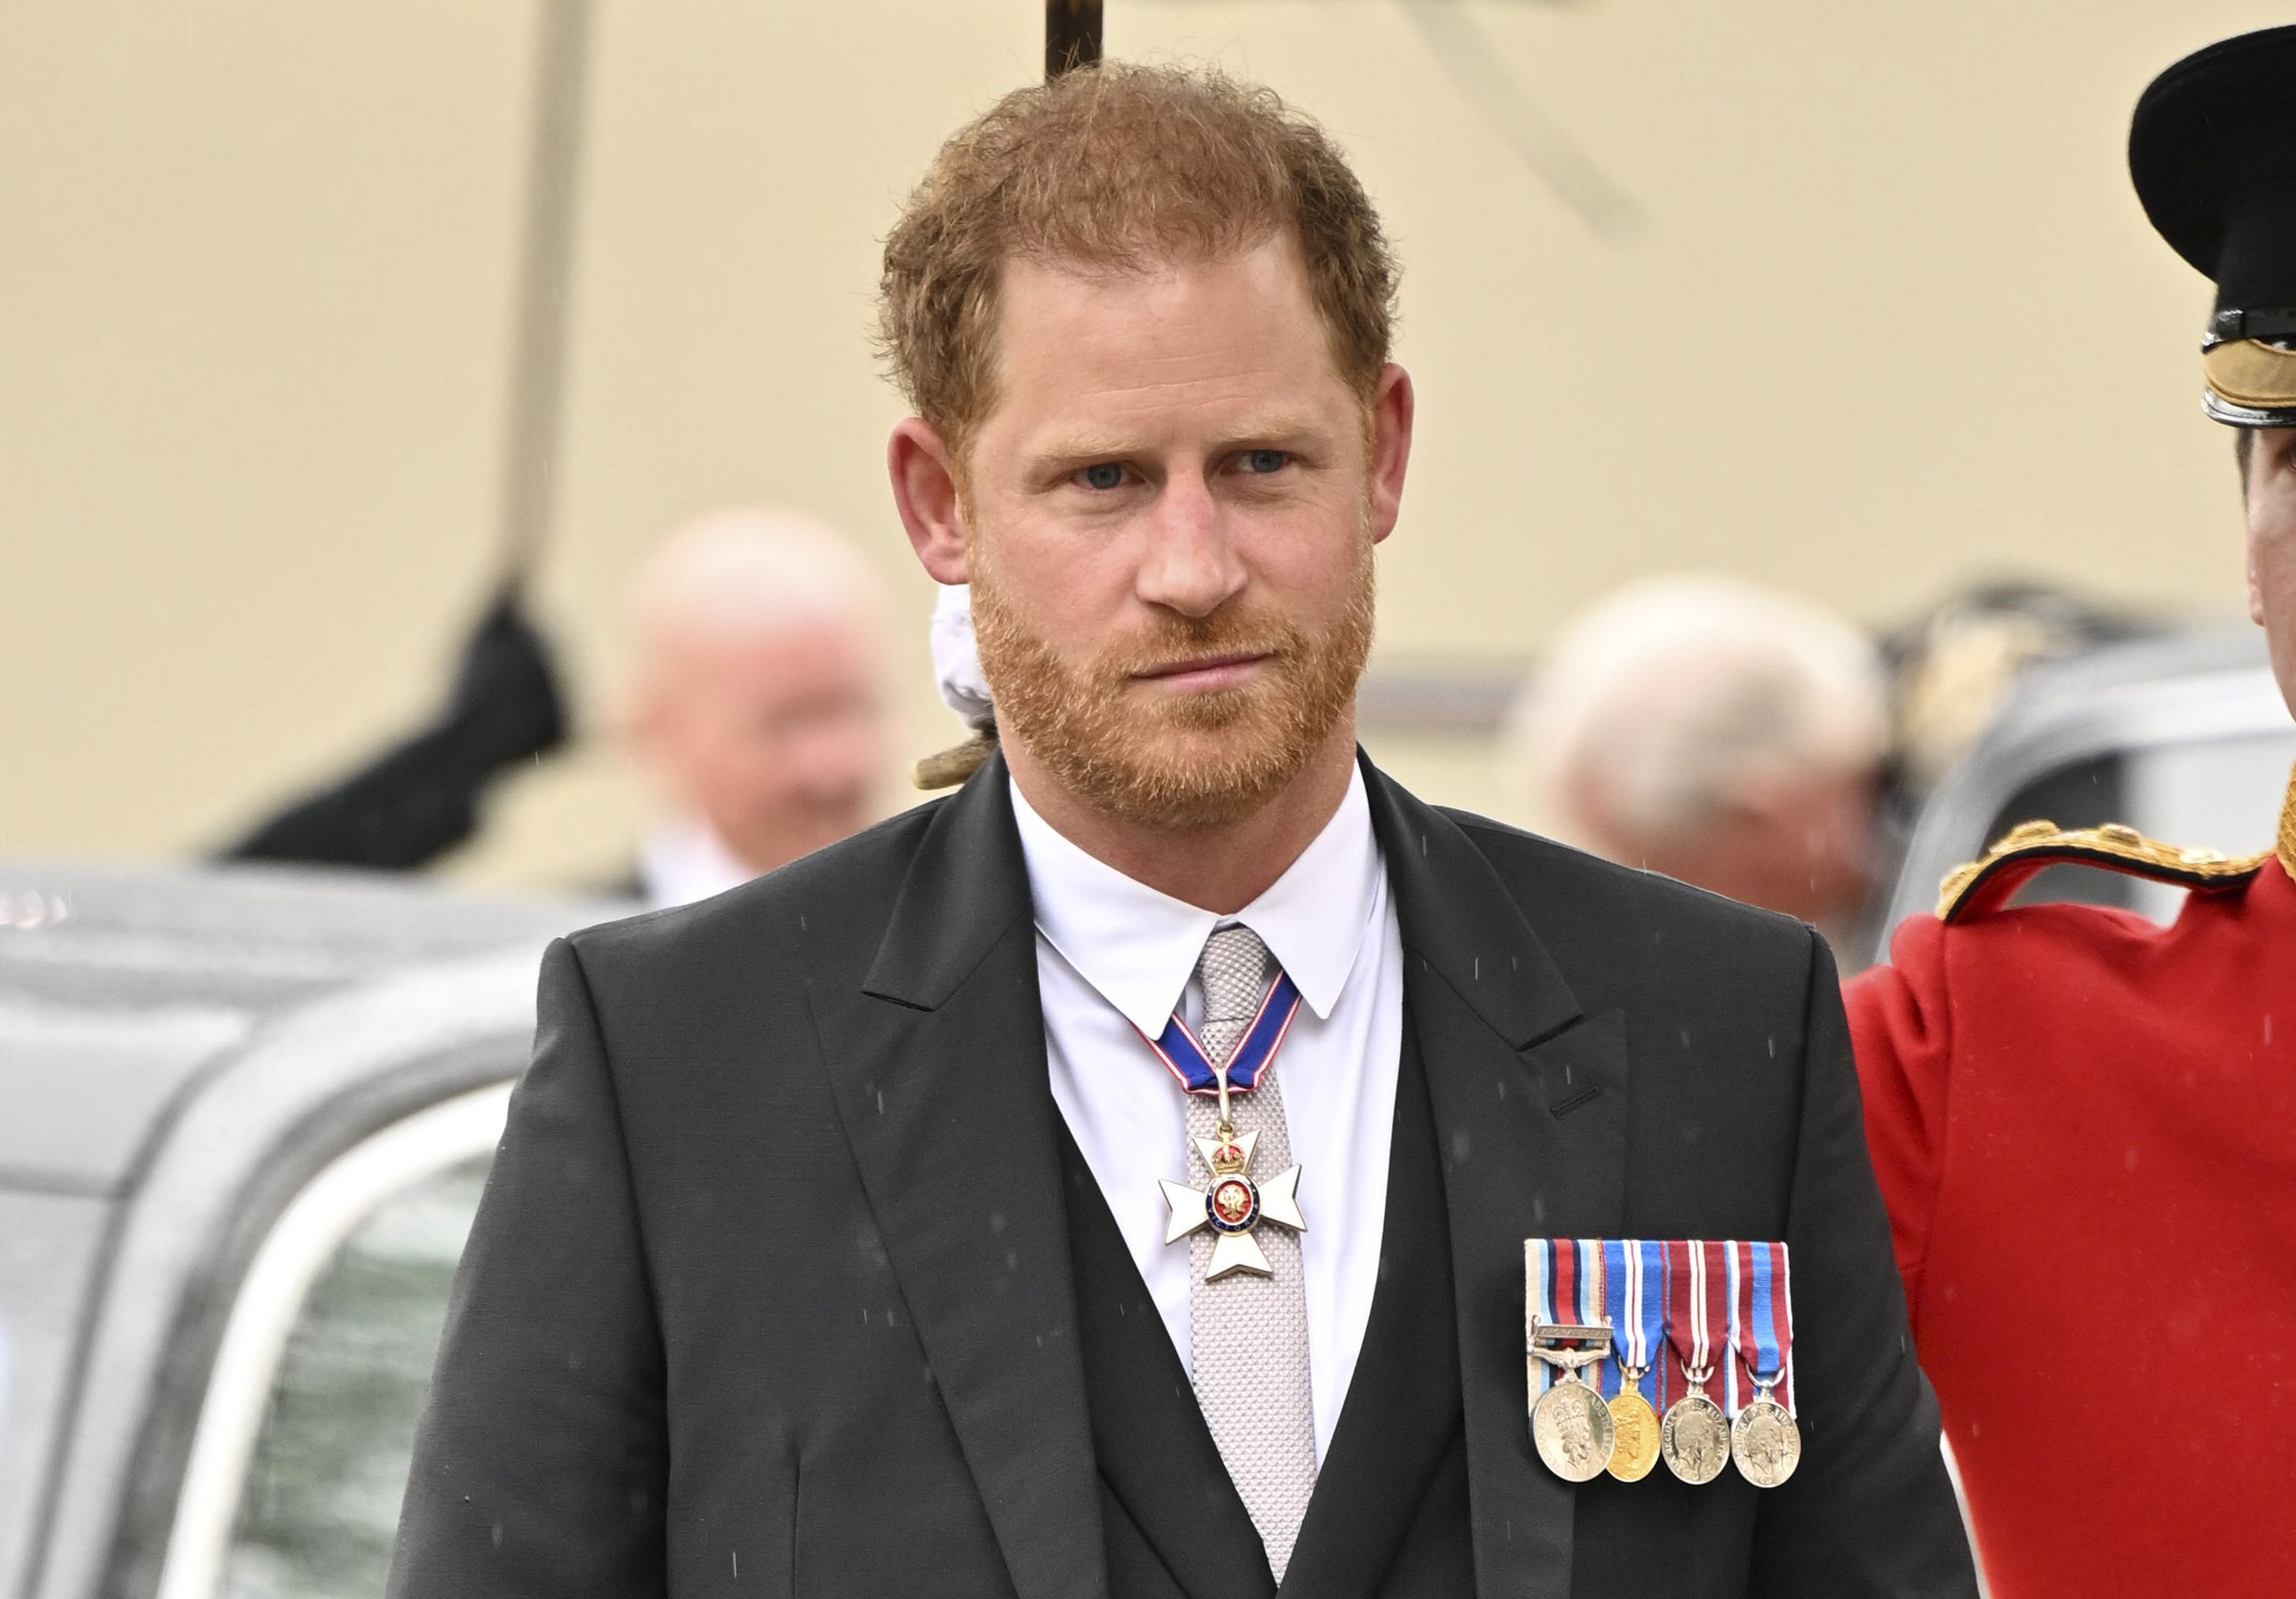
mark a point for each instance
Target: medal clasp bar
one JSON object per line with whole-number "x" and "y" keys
{"x": 1569, "y": 1346}
{"x": 1554, "y": 1334}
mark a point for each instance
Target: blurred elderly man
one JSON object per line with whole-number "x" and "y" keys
{"x": 1721, "y": 733}
{"x": 756, "y": 704}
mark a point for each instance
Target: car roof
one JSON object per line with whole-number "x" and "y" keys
{"x": 182, "y": 1048}
{"x": 120, "y": 986}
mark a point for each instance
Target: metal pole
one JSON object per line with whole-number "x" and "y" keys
{"x": 1071, "y": 35}
{"x": 538, "y": 351}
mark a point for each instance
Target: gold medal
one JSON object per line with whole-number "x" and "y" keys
{"x": 1636, "y": 1273}
{"x": 1635, "y": 1432}
{"x": 1765, "y": 1441}
{"x": 1572, "y": 1428}
{"x": 1695, "y": 1439}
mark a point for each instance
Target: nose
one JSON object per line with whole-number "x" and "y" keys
{"x": 1191, "y": 565}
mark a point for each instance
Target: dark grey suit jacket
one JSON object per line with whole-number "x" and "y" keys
{"x": 773, "y": 1288}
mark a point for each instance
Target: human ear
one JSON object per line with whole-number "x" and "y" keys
{"x": 923, "y": 473}
{"x": 1392, "y": 406}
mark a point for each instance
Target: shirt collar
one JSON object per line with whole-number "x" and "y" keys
{"x": 1138, "y": 947}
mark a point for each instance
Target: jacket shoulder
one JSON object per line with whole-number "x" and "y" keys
{"x": 1985, "y": 885}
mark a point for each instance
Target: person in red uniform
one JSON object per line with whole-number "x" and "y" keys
{"x": 2085, "y": 1124}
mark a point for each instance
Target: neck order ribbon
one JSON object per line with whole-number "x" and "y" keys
{"x": 1184, "y": 1058}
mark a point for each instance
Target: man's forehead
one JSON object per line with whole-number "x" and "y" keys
{"x": 1094, "y": 356}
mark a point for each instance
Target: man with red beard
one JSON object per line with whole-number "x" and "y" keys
{"x": 1115, "y": 1179}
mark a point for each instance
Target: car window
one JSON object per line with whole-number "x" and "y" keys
{"x": 329, "y": 1466}
{"x": 323, "y": 1487}
{"x": 299, "y": 1456}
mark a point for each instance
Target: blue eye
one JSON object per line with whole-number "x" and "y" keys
{"x": 1103, "y": 476}
{"x": 1266, "y": 461}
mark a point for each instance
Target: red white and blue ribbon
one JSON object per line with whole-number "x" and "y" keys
{"x": 1761, "y": 1322}
{"x": 1568, "y": 1277}
{"x": 1723, "y": 1308}
{"x": 1635, "y": 1306}
{"x": 1184, "y": 1056}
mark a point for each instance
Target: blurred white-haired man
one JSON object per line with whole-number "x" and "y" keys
{"x": 1722, "y": 733}
{"x": 756, "y": 704}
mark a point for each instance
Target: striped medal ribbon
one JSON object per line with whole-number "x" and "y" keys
{"x": 1765, "y": 1439}
{"x": 1185, "y": 1057}
{"x": 1694, "y": 1435}
{"x": 1568, "y": 1332}
{"x": 1635, "y": 1304}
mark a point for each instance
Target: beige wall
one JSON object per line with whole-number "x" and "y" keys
{"x": 1889, "y": 319}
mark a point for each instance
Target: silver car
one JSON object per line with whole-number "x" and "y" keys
{"x": 244, "y": 1119}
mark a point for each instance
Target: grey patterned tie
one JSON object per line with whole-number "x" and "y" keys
{"x": 1250, "y": 1338}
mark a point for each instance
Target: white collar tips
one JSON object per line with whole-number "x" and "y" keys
{"x": 1137, "y": 946}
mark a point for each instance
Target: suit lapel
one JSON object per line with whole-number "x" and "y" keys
{"x": 1529, "y": 1102}
{"x": 938, "y": 1066}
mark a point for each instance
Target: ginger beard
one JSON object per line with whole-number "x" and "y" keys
{"x": 1179, "y": 761}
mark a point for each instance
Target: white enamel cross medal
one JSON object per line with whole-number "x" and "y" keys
{"x": 1234, "y": 1204}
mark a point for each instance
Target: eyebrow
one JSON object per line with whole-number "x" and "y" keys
{"x": 1082, "y": 449}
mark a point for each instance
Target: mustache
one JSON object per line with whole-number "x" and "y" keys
{"x": 1173, "y": 641}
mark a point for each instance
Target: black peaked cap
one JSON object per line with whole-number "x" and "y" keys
{"x": 2213, "y": 152}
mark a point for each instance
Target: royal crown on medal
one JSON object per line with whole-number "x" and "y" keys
{"x": 1710, "y": 1324}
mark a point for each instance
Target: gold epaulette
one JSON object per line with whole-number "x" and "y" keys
{"x": 1984, "y": 885}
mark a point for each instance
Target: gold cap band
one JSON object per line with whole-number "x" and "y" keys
{"x": 2251, "y": 376}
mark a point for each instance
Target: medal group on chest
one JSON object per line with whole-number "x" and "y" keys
{"x": 1708, "y": 1325}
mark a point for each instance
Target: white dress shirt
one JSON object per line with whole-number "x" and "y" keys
{"x": 1114, "y": 955}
